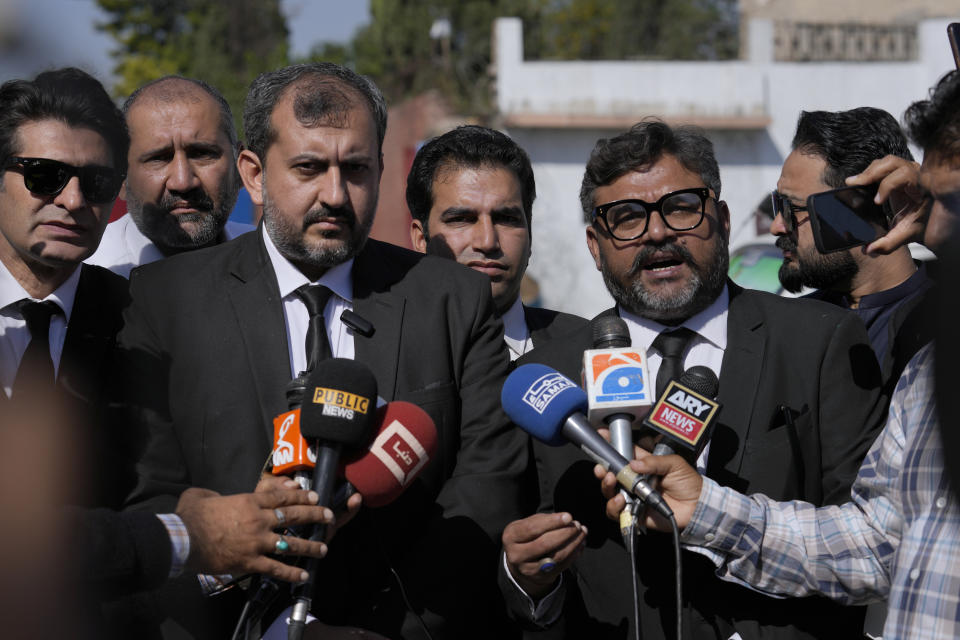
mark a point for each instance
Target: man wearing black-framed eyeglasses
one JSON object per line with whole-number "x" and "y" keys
{"x": 798, "y": 384}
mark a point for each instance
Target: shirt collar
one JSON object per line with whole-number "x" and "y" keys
{"x": 711, "y": 323}
{"x": 63, "y": 296}
{"x": 338, "y": 278}
{"x": 515, "y": 331}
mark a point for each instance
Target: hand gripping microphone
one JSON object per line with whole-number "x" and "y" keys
{"x": 338, "y": 411}
{"x": 685, "y": 412}
{"x": 549, "y": 406}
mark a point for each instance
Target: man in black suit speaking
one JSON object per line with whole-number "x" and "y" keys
{"x": 470, "y": 193}
{"x": 213, "y": 337}
{"x": 798, "y": 383}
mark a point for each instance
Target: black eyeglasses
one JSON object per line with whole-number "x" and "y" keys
{"x": 46, "y": 177}
{"x": 786, "y": 210}
{"x": 628, "y": 219}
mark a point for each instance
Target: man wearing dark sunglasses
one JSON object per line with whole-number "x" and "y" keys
{"x": 63, "y": 153}
{"x": 798, "y": 384}
{"x": 182, "y": 179}
{"x": 887, "y": 291}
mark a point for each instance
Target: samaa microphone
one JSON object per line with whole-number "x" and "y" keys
{"x": 338, "y": 411}
{"x": 549, "y": 406}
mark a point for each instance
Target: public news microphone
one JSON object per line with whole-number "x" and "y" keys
{"x": 549, "y": 406}
{"x": 685, "y": 412}
{"x": 338, "y": 411}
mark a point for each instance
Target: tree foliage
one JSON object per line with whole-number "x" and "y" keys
{"x": 223, "y": 42}
{"x": 397, "y": 49}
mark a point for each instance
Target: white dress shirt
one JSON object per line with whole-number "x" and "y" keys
{"x": 339, "y": 280}
{"x": 124, "y": 246}
{"x": 14, "y": 334}
{"x": 705, "y": 349}
{"x": 515, "y": 331}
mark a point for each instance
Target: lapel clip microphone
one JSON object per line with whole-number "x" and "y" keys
{"x": 358, "y": 324}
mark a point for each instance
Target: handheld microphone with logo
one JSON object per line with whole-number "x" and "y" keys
{"x": 685, "y": 412}
{"x": 618, "y": 391}
{"x": 549, "y": 406}
{"x": 405, "y": 442}
{"x": 337, "y": 413}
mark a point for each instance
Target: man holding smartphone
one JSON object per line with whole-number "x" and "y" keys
{"x": 886, "y": 291}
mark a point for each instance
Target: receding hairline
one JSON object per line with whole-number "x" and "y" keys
{"x": 287, "y": 99}
{"x": 183, "y": 90}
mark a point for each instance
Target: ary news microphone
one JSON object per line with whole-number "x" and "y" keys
{"x": 549, "y": 406}
{"x": 685, "y": 412}
{"x": 338, "y": 412}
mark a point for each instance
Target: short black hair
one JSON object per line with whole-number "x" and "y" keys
{"x": 642, "y": 146}
{"x": 320, "y": 97}
{"x": 934, "y": 123}
{"x": 170, "y": 94}
{"x": 69, "y": 95}
{"x": 468, "y": 146}
{"x": 848, "y": 141}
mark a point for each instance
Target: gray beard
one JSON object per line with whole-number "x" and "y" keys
{"x": 703, "y": 287}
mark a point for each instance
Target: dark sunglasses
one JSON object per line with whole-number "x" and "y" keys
{"x": 786, "y": 210}
{"x": 46, "y": 177}
{"x": 628, "y": 219}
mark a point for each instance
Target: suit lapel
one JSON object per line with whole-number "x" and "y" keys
{"x": 259, "y": 311}
{"x": 739, "y": 381}
{"x": 94, "y": 322}
{"x": 373, "y": 301}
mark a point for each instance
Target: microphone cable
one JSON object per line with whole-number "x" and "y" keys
{"x": 678, "y": 568}
{"x": 630, "y": 540}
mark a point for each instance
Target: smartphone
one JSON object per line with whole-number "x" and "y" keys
{"x": 846, "y": 218}
{"x": 953, "y": 32}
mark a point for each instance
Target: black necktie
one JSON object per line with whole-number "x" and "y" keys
{"x": 318, "y": 345}
{"x": 671, "y": 345}
{"x": 36, "y": 367}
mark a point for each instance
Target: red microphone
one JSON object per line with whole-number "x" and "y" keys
{"x": 405, "y": 442}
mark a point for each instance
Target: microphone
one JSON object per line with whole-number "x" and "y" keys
{"x": 549, "y": 406}
{"x": 405, "y": 442}
{"x": 685, "y": 412}
{"x": 616, "y": 380}
{"x": 337, "y": 412}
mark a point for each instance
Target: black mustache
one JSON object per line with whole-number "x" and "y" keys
{"x": 675, "y": 251}
{"x": 195, "y": 198}
{"x": 785, "y": 243}
{"x": 344, "y": 214}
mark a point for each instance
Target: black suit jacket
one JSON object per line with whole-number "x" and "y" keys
{"x": 206, "y": 353}
{"x": 804, "y": 357}
{"x": 545, "y": 325}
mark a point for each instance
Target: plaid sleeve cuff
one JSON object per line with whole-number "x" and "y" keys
{"x": 179, "y": 542}
{"x": 720, "y": 519}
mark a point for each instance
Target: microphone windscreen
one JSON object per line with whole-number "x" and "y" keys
{"x": 405, "y": 443}
{"x": 701, "y": 379}
{"x": 610, "y": 332}
{"x": 340, "y": 402}
{"x": 540, "y": 399}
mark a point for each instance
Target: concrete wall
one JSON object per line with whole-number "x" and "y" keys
{"x": 749, "y": 108}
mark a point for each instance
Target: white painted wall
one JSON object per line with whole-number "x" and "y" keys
{"x": 749, "y": 159}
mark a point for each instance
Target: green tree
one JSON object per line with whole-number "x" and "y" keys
{"x": 410, "y": 46}
{"x": 226, "y": 43}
